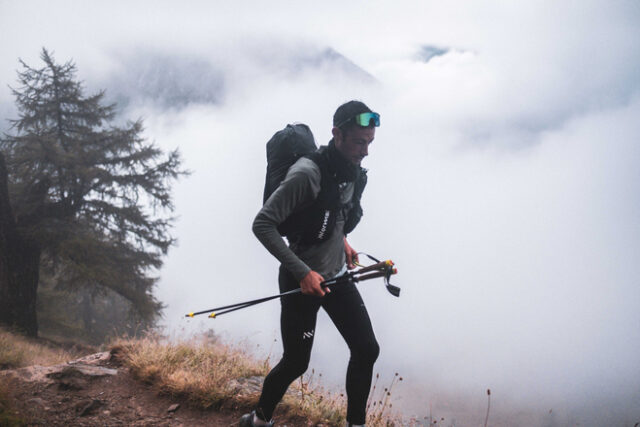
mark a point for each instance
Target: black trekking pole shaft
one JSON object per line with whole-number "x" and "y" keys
{"x": 214, "y": 314}
{"x": 245, "y": 303}
{"x": 239, "y": 306}
{"x": 234, "y": 307}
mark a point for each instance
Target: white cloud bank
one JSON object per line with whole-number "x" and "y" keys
{"x": 504, "y": 178}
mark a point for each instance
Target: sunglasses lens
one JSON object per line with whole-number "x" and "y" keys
{"x": 364, "y": 119}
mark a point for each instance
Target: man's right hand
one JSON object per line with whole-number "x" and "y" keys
{"x": 311, "y": 285}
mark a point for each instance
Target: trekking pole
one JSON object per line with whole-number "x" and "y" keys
{"x": 326, "y": 284}
{"x": 240, "y": 305}
{"x": 381, "y": 269}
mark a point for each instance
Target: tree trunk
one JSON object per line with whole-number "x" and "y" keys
{"x": 7, "y": 228}
{"x": 19, "y": 268}
{"x": 25, "y": 266}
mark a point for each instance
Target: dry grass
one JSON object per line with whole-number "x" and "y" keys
{"x": 17, "y": 351}
{"x": 207, "y": 373}
{"x": 308, "y": 399}
{"x": 200, "y": 370}
{"x": 380, "y": 407}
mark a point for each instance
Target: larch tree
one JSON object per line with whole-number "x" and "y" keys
{"x": 85, "y": 201}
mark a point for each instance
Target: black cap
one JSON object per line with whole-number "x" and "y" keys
{"x": 348, "y": 111}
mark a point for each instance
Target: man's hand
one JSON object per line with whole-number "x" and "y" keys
{"x": 311, "y": 285}
{"x": 352, "y": 255}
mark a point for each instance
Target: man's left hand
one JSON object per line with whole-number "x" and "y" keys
{"x": 352, "y": 255}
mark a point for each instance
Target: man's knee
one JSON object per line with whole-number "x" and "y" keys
{"x": 296, "y": 366}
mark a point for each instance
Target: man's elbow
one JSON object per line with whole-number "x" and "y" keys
{"x": 262, "y": 227}
{"x": 257, "y": 226}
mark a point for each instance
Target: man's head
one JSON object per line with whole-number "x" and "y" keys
{"x": 354, "y": 127}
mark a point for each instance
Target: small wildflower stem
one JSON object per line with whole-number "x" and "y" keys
{"x": 486, "y": 419}
{"x": 372, "y": 391}
{"x": 301, "y": 389}
{"x": 387, "y": 395}
{"x": 430, "y": 413}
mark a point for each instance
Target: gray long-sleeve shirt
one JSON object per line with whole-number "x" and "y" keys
{"x": 299, "y": 190}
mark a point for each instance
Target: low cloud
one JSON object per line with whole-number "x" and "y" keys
{"x": 503, "y": 182}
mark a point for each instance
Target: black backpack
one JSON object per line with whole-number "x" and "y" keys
{"x": 314, "y": 223}
{"x": 283, "y": 149}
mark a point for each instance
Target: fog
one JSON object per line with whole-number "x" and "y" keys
{"x": 503, "y": 181}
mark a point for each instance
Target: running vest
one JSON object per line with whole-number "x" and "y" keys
{"x": 316, "y": 222}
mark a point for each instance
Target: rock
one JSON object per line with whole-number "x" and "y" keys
{"x": 56, "y": 373}
{"x": 248, "y": 385}
{"x": 92, "y": 359}
{"x": 76, "y": 377}
{"x": 66, "y": 371}
{"x": 173, "y": 408}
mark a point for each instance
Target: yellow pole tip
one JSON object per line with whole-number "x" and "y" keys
{"x": 190, "y": 314}
{"x": 212, "y": 316}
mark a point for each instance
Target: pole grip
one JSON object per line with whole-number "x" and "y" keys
{"x": 372, "y": 275}
{"x": 377, "y": 266}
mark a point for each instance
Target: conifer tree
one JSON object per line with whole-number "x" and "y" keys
{"x": 89, "y": 201}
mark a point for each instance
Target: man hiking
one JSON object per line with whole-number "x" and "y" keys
{"x": 316, "y": 206}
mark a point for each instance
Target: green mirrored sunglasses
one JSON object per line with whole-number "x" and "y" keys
{"x": 364, "y": 119}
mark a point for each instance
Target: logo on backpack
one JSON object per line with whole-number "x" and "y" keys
{"x": 325, "y": 222}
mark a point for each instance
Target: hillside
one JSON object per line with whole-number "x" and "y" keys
{"x": 149, "y": 382}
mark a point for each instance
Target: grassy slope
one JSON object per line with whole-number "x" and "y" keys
{"x": 206, "y": 372}
{"x": 17, "y": 351}
{"x": 203, "y": 371}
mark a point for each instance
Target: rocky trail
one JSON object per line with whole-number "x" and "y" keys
{"x": 97, "y": 390}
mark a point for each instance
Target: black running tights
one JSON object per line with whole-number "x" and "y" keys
{"x": 298, "y": 322}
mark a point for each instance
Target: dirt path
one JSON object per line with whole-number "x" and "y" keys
{"x": 98, "y": 391}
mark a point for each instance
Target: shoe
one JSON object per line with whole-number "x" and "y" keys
{"x": 247, "y": 421}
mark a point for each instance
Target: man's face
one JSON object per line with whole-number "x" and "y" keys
{"x": 354, "y": 143}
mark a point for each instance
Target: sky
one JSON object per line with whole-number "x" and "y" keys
{"x": 503, "y": 180}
